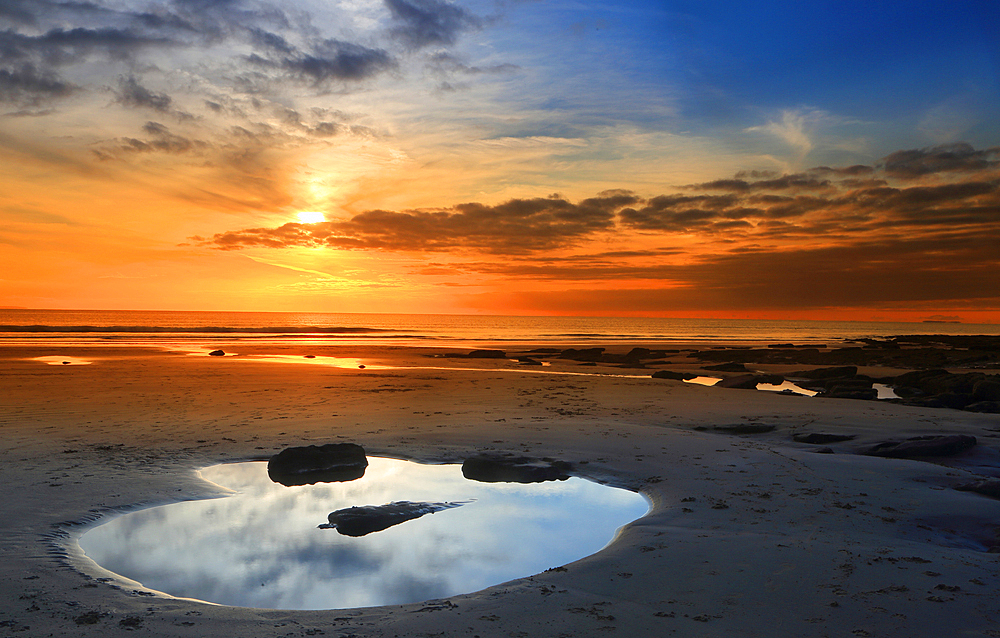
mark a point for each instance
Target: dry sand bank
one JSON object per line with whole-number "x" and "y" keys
{"x": 748, "y": 536}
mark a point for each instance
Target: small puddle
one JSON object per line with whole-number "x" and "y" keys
{"x": 709, "y": 381}
{"x": 63, "y": 361}
{"x": 787, "y": 387}
{"x": 263, "y": 548}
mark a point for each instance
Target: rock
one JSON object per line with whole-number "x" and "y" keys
{"x": 727, "y": 367}
{"x": 308, "y": 356}
{"x": 838, "y": 392}
{"x": 750, "y": 381}
{"x": 676, "y": 376}
{"x": 487, "y": 354}
{"x": 500, "y": 468}
{"x": 781, "y": 345}
{"x": 924, "y": 446}
{"x": 819, "y": 438}
{"x": 986, "y": 407}
{"x": 213, "y": 353}
{"x": 637, "y": 354}
{"x": 528, "y": 361}
{"x": 842, "y": 372}
{"x": 331, "y": 463}
{"x": 986, "y": 487}
{"x": 360, "y": 521}
{"x": 586, "y": 354}
{"x": 478, "y": 354}
{"x": 986, "y": 390}
{"x": 744, "y": 428}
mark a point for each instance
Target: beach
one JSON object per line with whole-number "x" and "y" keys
{"x": 749, "y": 534}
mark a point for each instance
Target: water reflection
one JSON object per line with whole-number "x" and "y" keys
{"x": 262, "y": 547}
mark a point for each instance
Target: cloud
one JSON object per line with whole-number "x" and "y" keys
{"x": 827, "y": 237}
{"x": 27, "y": 86}
{"x": 132, "y": 94}
{"x": 950, "y": 158}
{"x": 518, "y": 226}
{"x": 423, "y": 23}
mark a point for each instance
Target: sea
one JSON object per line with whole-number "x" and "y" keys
{"x": 167, "y": 328}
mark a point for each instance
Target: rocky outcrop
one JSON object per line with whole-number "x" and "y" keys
{"x": 924, "y": 446}
{"x": 727, "y": 367}
{"x": 360, "y": 521}
{"x": 217, "y": 353}
{"x": 332, "y": 463}
{"x": 502, "y": 468}
{"x": 986, "y": 487}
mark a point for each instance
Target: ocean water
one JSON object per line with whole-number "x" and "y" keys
{"x": 64, "y": 327}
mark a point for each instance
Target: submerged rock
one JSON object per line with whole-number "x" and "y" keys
{"x": 360, "y": 521}
{"x": 924, "y": 446}
{"x": 213, "y": 353}
{"x": 498, "y": 468}
{"x": 331, "y": 463}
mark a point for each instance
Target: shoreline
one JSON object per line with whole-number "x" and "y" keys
{"x": 83, "y": 441}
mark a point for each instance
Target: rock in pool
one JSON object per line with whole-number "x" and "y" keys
{"x": 359, "y": 521}
{"x": 498, "y": 468}
{"x": 217, "y": 353}
{"x": 331, "y": 463}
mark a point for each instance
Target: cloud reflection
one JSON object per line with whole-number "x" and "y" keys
{"x": 262, "y": 548}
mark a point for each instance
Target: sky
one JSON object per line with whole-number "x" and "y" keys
{"x": 677, "y": 158}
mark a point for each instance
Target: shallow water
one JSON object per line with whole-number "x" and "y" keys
{"x": 262, "y": 548}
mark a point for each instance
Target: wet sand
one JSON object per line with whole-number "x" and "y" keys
{"x": 749, "y": 535}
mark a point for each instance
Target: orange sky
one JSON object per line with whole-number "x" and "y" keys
{"x": 486, "y": 157}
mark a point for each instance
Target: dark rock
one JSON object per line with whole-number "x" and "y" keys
{"x": 500, "y": 468}
{"x": 544, "y": 351}
{"x": 924, "y": 446}
{"x": 986, "y": 390}
{"x": 528, "y": 361}
{"x": 309, "y": 356}
{"x": 838, "y": 392}
{"x": 487, "y": 354}
{"x": 820, "y": 438}
{"x": 744, "y": 428}
{"x": 360, "y": 521}
{"x": 213, "y": 353}
{"x": 727, "y": 367}
{"x": 331, "y": 463}
{"x": 637, "y": 354}
{"x": 676, "y": 376}
{"x": 781, "y": 345}
{"x": 987, "y": 407}
{"x": 824, "y": 450}
{"x": 585, "y": 354}
{"x": 589, "y": 363}
{"x": 986, "y": 487}
{"x": 842, "y": 372}
{"x": 750, "y": 381}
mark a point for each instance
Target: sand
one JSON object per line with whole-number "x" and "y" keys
{"x": 748, "y": 535}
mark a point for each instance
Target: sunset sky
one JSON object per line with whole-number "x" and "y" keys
{"x": 772, "y": 159}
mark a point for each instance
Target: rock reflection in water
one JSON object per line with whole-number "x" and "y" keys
{"x": 261, "y": 547}
{"x": 367, "y": 519}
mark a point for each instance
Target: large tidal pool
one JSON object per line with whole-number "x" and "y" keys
{"x": 262, "y": 547}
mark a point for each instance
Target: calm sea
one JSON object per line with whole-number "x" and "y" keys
{"x": 64, "y": 327}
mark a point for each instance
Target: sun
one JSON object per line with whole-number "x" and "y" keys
{"x": 311, "y": 217}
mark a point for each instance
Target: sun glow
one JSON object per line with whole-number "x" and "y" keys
{"x": 311, "y": 217}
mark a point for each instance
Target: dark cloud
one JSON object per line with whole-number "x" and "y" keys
{"x": 159, "y": 140}
{"x": 949, "y": 158}
{"x": 517, "y": 226}
{"x": 331, "y": 60}
{"x": 422, "y": 23}
{"x": 27, "y": 86}
{"x": 134, "y": 95}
